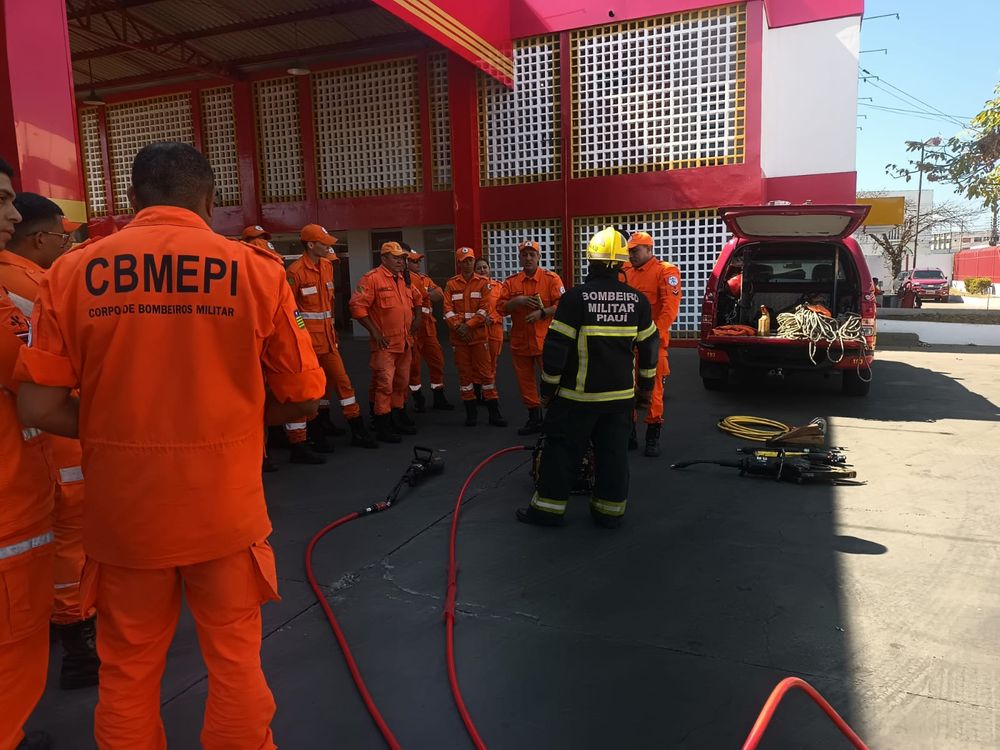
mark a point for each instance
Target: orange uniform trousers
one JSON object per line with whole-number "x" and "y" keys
{"x": 67, "y": 524}
{"x": 25, "y": 608}
{"x": 390, "y": 378}
{"x": 337, "y": 381}
{"x": 494, "y": 334}
{"x": 654, "y": 415}
{"x": 138, "y": 611}
{"x": 427, "y": 348}
{"x": 527, "y": 367}
{"x": 473, "y": 362}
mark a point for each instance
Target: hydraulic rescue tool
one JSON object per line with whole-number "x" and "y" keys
{"x": 801, "y": 465}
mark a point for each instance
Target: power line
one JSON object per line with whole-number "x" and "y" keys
{"x": 907, "y": 111}
{"x": 914, "y": 98}
{"x": 936, "y": 114}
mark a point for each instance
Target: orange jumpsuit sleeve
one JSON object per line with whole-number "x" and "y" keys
{"x": 46, "y": 360}
{"x": 362, "y": 299}
{"x": 556, "y": 287}
{"x": 451, "y": 317}
{"x": 290, "y": 366}
{"x": 669, "y": 292}
{"x": 14, "y": 327}
{"x": 504, "y": 295}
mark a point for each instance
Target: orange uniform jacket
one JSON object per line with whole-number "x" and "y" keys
{"x": 471, "y": 302}
{"x": 26, "y": 491}
{"x": 312, "y": 284}
{"x": 170, "y": 332}
{"x": 389, "y": 303}
{"x": 661, "y": 283}
{"x": 527, "y": 338}
{"x": 426, "y": 285}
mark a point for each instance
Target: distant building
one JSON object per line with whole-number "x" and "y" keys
{"x": 953, "y": 242}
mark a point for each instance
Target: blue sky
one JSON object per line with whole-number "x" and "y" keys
{"x": 945, "y": 53}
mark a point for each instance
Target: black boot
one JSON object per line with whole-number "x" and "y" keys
{"x": 402, "y": 423}
{"x": 440, "y": 402}
{"x": 478, "y": 389}
{"x": 496, "y": 419}
{"x": 327, "y": 425}
{"x": 360, "y": 435}
{"x": 385, "y": 432}
{"x": 652, "y": 440}
{"x": 317, "y": 438}
{"x": 534, "y": 424}
{"x": 537, "y": 517}
{"x": 633, "y": 440}
{"x": 303, "y": 454}
{"x": 35, "y": 741}
{"x": 419, "y": 402}
{"x": 608, "y": 522}
{"x": 471, "y": 413}
{"x": 80, "y": 662}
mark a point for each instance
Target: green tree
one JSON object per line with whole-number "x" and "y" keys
{"x": 969, "y": 160}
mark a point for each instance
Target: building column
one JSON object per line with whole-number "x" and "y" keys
{"x": 463, "y": 106}
{"x": 38, "y": 127}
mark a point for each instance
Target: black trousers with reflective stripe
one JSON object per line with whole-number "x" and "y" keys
{"x": 568, "y": 428}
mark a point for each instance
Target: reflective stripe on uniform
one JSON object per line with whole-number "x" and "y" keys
{"x": 552, "y": 379}
{"x": 580, "y": 395}
{"x": 465, "y": 387}
{"x": 548, "y": 505}
{"x": 469, "y": 315}
{"x": 565, "y": 330}
{"x": 650, "y": 373}
{"x": 30, "y": 432}
{"x": 457, "y": 296}
{"x": 13, "y": 550}
{"x": 489, "y": 386}
{"x": 308, "y": 290}
{"x": 583, "y": 349}
{"x": 435, "y": 386}
{"x": 414, "y": 388}
{"x": 608, "y": 507}
{"x": 316, "y": 316}
{"x": 646, "y": 333}
{"x": 348, "y": 401}
{"x": 475, "y": 295}
{"x": 71, "y": 585}
{"x": 295, "y": 425}
{"x": 71, "y": 474}
{"x": 426, "y": 310}
{"x": 25, "y": 305}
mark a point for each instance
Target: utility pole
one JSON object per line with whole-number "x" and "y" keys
{"x": 935, "y": 141}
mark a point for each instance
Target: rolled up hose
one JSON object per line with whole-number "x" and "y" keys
{"x": 757, "y": 429}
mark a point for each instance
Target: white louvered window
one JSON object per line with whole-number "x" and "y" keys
{"x": 93, "y": 163}
{"x": 660, "y": 93}
{"x": 437, "y": 86}
{"x": 132, "y": 125}
{"x": 520, "y": 128}
{"x": 279, "y": 140}
{"x": 691, "y": 240}
{"x": 218, "y": 128}
{"x": 368, "y": 129}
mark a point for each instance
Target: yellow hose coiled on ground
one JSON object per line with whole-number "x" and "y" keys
{"x": 757, "y": 429}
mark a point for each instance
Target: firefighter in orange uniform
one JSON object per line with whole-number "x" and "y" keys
{"x": 388, "y": 309}
{"x": 468, "y": 306}
{"x": 530, "y": 298}
{"x": 26, "y": 538}
{"x": 38, "y": 240}
{"x": 311, "y": 278}
{"x": 494, "y": 328}
{"x": 426, "y": 346}
{"x": 174, "y": 499}
{"x": 660, "y": 282}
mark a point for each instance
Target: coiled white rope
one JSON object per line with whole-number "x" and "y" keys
{"x": 808, "y": 324}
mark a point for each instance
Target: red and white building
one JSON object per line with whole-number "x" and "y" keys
{"x": 445, "y": 123}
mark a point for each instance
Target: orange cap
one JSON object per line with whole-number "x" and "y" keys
{"x": 640, "y": 238}
{"x": 529, "y": 244}
{"x": 464, "y": 252}
{"x": 392, "y": 248}
{"x": 255, "y": 231}
{"x": 70, "y": 226}
{"x": 316, "y": 233}
{"x": 414, "y": 255}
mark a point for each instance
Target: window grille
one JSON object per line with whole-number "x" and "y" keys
{"x": 93, "y": 162}
{"x": 519, "y": 128}
{"x": 218, "y": 128}
{"x": 279, "y": 140}
{"x": 437, "y": 64}
{"x": 368, "y": 129}
{"x": 691, "y": 240}
{"x": 132, "y": 125}
{"x": 501, "y": 240}
{"x": 659, "y": 93}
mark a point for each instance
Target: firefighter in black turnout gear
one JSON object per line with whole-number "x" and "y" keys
{"x": 589, "y": 385}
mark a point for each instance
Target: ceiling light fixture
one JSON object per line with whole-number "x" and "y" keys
{"x": 297, "y": 68}
{"x": 92, "y": 99}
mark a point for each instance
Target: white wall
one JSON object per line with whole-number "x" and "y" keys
{"x": 809, "y": 98}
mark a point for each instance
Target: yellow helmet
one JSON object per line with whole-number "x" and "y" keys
{"x": 608, "y": 245}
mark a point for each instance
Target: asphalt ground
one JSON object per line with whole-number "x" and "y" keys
{"x": 670, "y": 631}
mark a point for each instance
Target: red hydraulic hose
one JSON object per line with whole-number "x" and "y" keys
{"x": 452, "y": 593}
{"x": 383, "y": 727}
{"x": 789, "y": 683}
